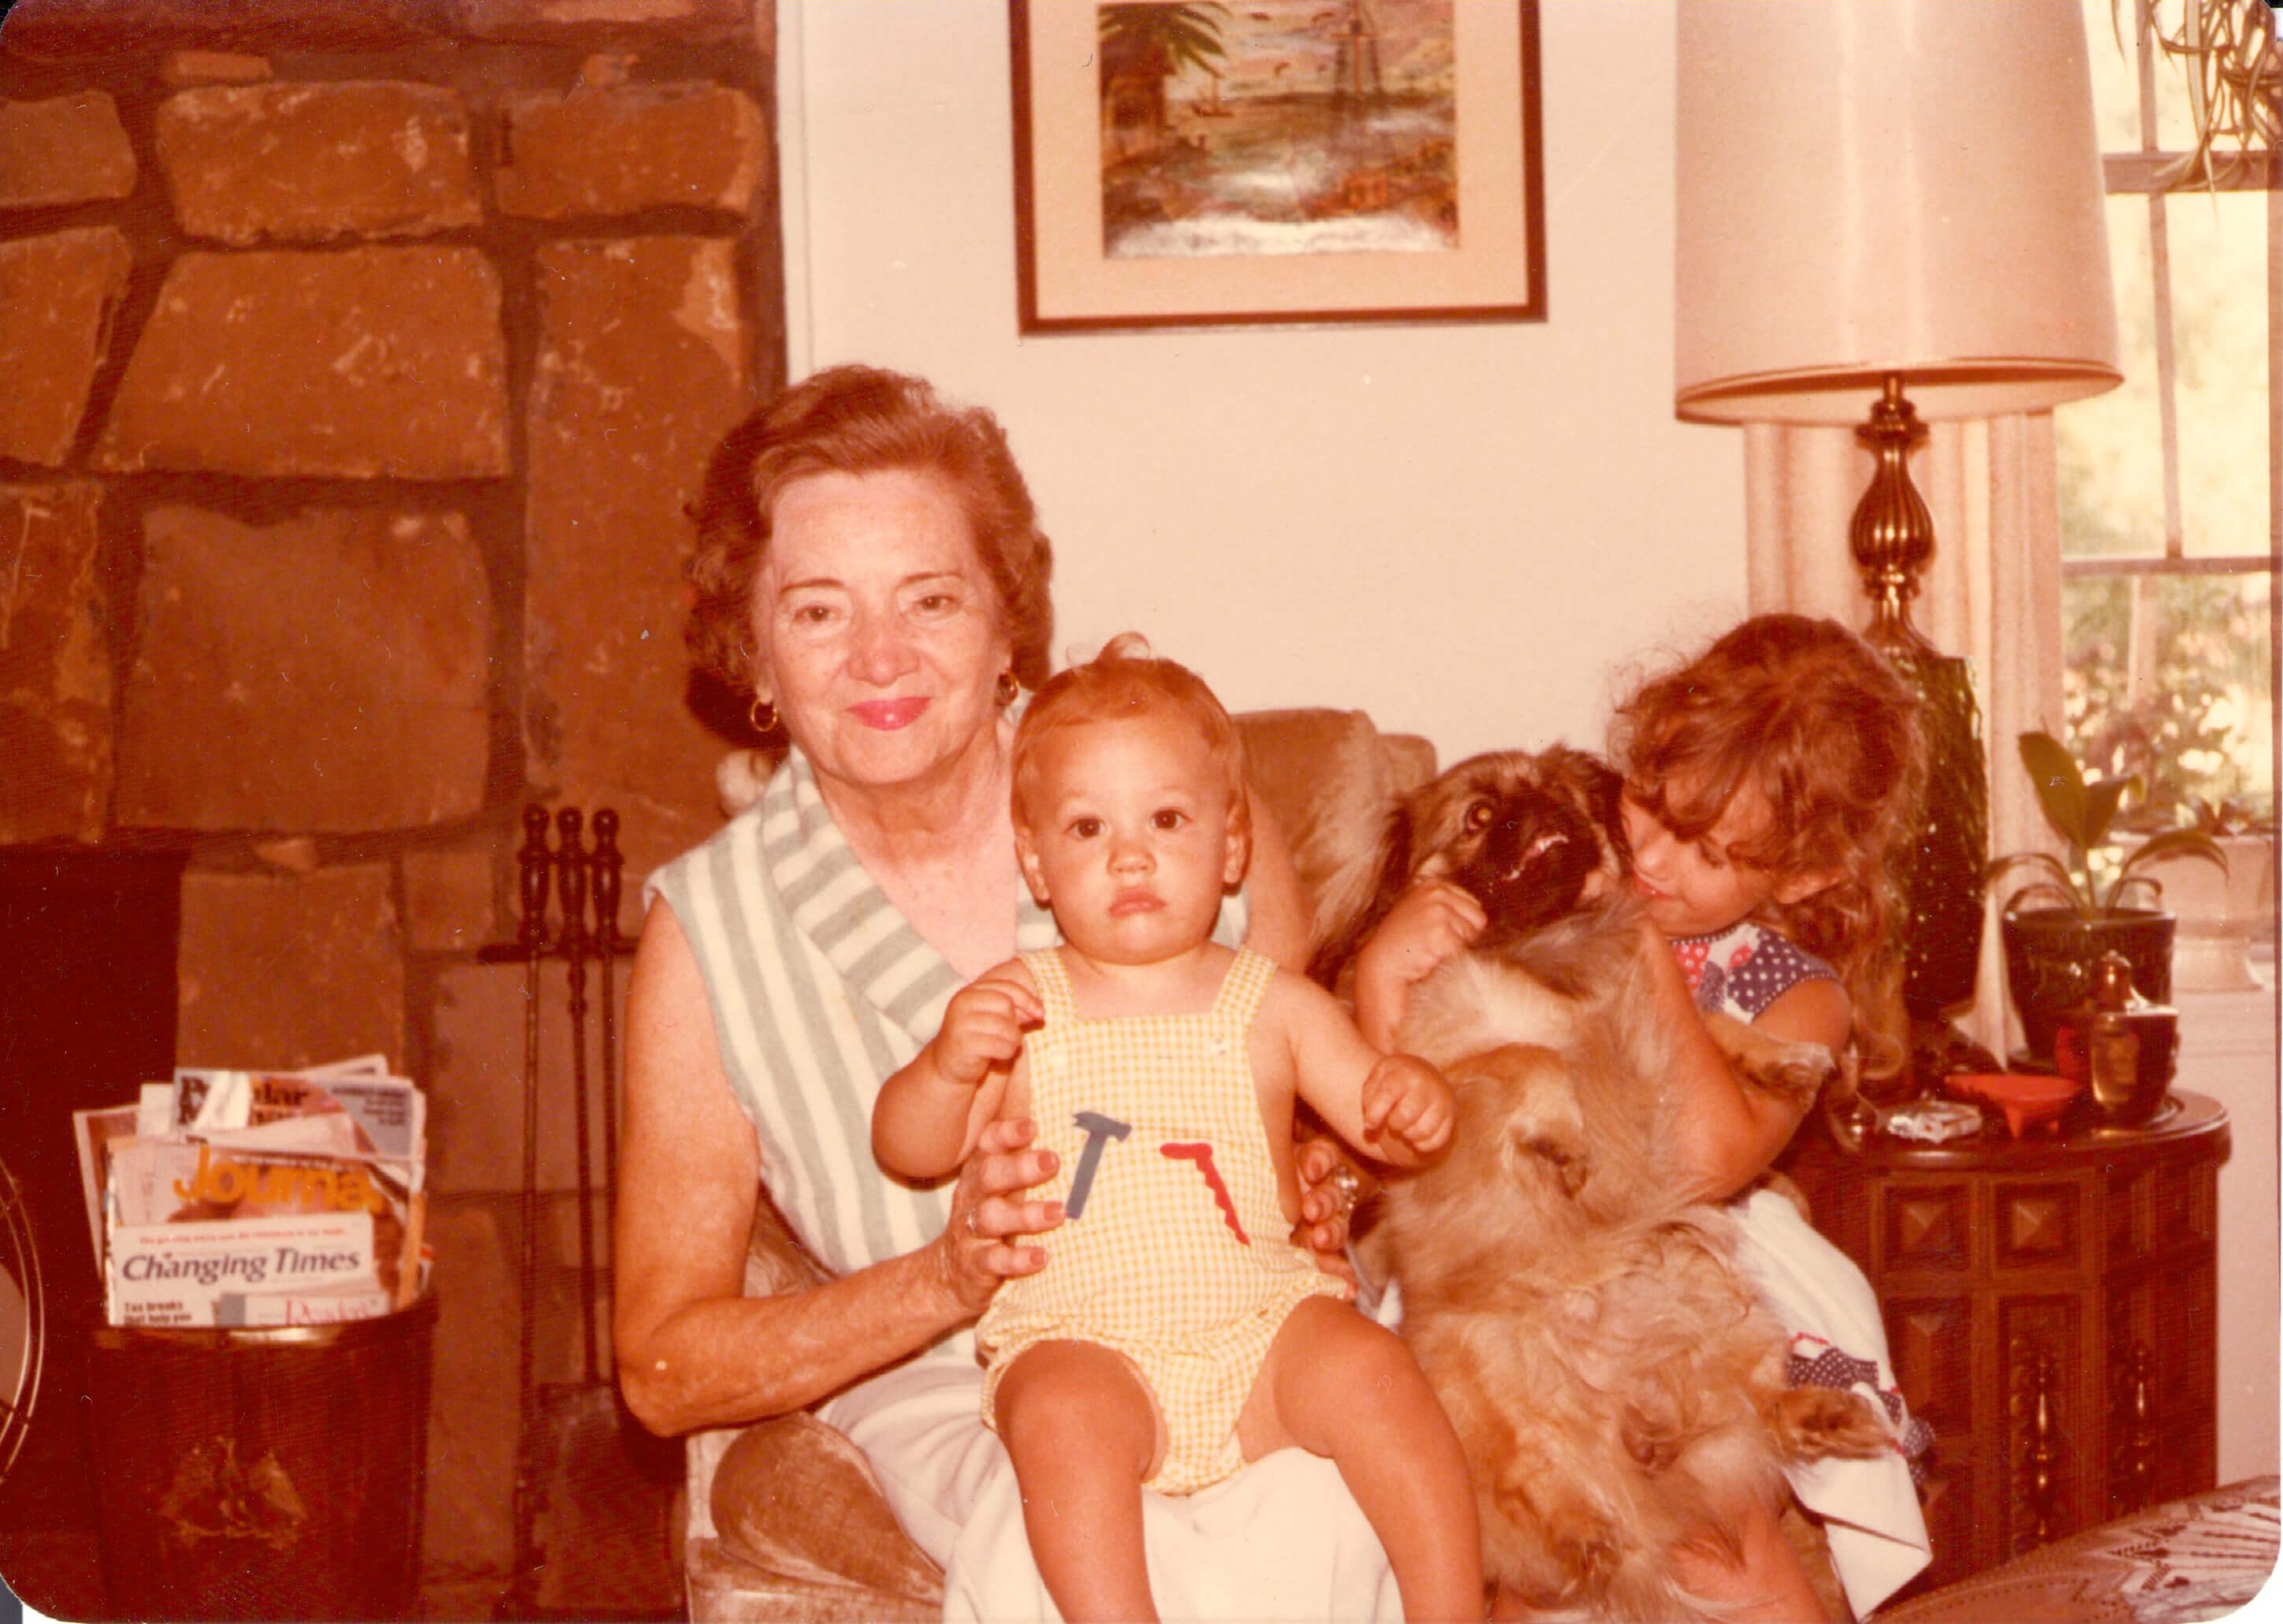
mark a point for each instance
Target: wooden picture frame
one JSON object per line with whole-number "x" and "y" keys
{"x": 1277, "y": 161}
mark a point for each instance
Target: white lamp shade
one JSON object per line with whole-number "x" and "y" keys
{"x": 1877, "y": 186}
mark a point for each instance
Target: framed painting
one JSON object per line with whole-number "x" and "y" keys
{"x": 1182, "y": 164}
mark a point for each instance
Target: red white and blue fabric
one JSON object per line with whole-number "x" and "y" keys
{"x": 1742, "y": 970}
{"x": 1870, "y": 1507}
{"x": 1815, "y": 1362}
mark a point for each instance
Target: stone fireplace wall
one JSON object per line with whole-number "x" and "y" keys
{"x": 358, "y": 359}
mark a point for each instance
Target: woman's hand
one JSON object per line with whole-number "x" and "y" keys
{"x": 1432, "y": 922}
{"x": 981, "y": 1247}
{"x": 1330, "y": 1185}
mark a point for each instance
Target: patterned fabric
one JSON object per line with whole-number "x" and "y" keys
{"x": 1816, "y": 1362}
{"x": 2201, "y": 1558}
{"x": 820, "y": 988}
{"x": 1175, "y": 1251}
{"x": 1875, "y": 1523}
{"x": 1742, "y": 970}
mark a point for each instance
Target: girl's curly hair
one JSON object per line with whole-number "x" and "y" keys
{"x": 1805, "y": 713}
{"x": 861, "y": 419}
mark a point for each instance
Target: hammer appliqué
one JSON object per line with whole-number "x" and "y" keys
{"x": 1099, "y": 1130}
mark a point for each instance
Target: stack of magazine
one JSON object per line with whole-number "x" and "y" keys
{"x": 256, "y": 1199}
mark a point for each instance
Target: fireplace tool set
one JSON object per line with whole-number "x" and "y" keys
{"x": 572, "y": 1442}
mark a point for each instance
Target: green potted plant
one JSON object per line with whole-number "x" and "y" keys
{"x": 2055, "y": 927}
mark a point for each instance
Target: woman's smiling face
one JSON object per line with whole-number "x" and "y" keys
{"x": 879, "y": 631}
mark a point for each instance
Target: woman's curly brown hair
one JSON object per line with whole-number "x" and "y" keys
{"x": 862, "y": 419}
{"x": 1808, "y": 715}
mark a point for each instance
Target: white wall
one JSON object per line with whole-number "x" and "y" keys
{"x": 2227, "y": 1051}
{"x": 1460, "y": 529}
{"x": 1468, "y": 531}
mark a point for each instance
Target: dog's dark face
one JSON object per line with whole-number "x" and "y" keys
{"x": 1526, "y": 834}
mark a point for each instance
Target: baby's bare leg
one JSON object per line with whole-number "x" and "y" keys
{"x": 1338, "y": 1386}
{"x": 1082, "y": 1430}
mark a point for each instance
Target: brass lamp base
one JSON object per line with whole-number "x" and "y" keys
{"x": 1943, "y": 888}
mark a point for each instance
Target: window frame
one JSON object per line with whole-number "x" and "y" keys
{"x": 2154, "y": 172}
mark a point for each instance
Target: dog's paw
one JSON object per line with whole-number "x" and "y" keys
{"x": 1586, "y": 1547}
{"x": 1569, "y": 1545}
{"x": 1537, "y": 1098}
{"x": 1655, "y": 1440}
{"x": 1809, "y": 1422}
{"x": 1794, "y": 1072}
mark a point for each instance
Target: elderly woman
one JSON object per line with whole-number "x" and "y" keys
{"x": 870, "y": 567}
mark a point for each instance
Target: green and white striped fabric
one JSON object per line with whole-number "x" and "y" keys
{"x": 820, "y": 988}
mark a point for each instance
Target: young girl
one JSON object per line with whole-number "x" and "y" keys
{"x": 1767, "y": 784}
{"x": 1175, "y": 1331}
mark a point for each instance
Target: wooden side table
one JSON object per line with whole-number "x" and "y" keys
{"x": 2051, "y": 1309}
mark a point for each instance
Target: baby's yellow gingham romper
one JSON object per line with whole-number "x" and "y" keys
{"x": 1176, "y": 1252}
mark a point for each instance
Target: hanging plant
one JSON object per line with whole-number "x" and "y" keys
{"x": 2227, "y": 49}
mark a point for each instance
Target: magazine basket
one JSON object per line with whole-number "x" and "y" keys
{"x": 271, "y": 1473}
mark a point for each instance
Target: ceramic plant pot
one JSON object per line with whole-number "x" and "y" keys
{"x": 2050, "y": 952}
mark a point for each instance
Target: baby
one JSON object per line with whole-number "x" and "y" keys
{"x": 1176, "y": 1333}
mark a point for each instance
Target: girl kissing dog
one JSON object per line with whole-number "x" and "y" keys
{"x": 1616, "y": 1386}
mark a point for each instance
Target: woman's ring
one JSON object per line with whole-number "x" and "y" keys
{"x": 1344, "y": 1179}
{"x": 971, "y": 1229}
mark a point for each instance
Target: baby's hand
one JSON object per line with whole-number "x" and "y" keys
{"x": 983, "y": 1027}
{"x": 1432, "y": 922}
{"x": 1407, "y": 1102}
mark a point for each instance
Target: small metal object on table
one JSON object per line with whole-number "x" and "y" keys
{"x": 556, "y": 1421}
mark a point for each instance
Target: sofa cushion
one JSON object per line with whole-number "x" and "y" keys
{"x": 1330, "y": 779}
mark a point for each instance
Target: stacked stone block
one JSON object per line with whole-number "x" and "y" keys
{"x": 358, "y": 364}
{"x": 362, "y": 358}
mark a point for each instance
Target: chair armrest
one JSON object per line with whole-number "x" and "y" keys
{"x": 787, "y": 1522}
{"x": 722, "y": 1588}
{"x": 795, "y": 1497}
{"x": 775, "y": 1262}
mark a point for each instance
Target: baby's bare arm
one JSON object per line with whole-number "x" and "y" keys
{"x": 1396, "y": 1108}
{"x": 929, "y": 1114}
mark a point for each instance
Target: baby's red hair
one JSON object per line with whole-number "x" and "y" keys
{"x": 1122, "y": 682}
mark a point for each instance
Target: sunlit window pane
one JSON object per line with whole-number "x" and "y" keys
{"x": 2170, "y": 677}
{"x": 2115, "y": 100}
{"x": 2198, "y": 727}
{"x": 2111, "y": 445}
{"x": 2220, "y": 291}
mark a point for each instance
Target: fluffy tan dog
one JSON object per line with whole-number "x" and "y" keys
{"x": 1615, "y": 1384}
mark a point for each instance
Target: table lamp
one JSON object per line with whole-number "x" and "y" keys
{"x": 1891, "y": 210}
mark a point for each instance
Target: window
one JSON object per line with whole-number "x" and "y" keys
{"x": 2170, "y": 488}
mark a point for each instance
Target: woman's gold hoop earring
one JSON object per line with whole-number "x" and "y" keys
{"x": 763, "y": 716}
{"x": 1007, "y": 689}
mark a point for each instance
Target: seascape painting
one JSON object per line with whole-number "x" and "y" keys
{"x": 1278, "y": 127}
